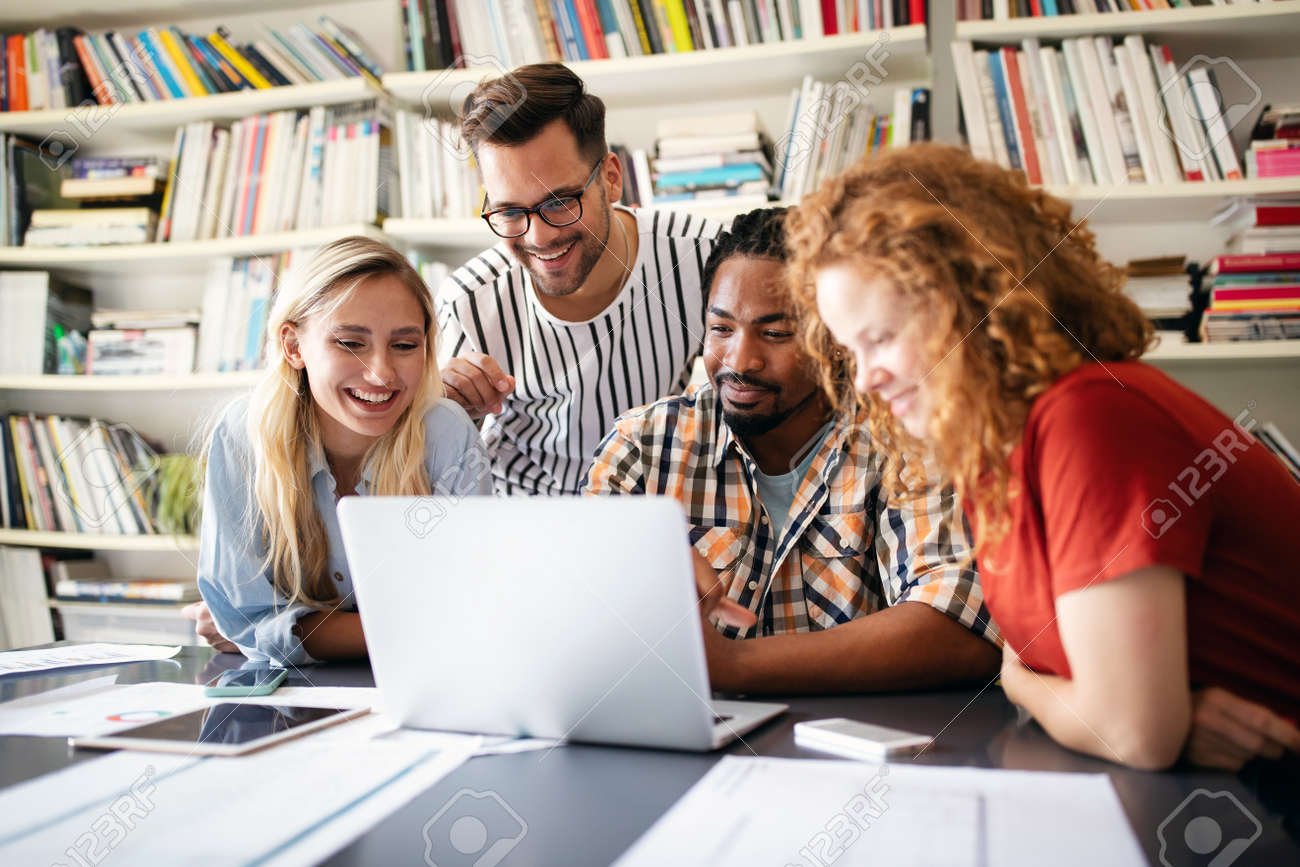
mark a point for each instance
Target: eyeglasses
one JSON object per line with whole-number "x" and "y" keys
{"x": 556, "y": 211}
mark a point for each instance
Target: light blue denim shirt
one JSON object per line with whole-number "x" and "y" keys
{"x": 232, "y": 577}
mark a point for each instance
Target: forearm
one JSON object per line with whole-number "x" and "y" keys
{"x": 332, "y": 635}
{"x": 1095, "y": 724}
{"x": 905, "y": 647}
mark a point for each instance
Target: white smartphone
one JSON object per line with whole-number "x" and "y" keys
{"x": 858, "y": 740}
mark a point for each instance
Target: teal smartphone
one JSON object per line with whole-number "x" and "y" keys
{"x": 246, "y": 682}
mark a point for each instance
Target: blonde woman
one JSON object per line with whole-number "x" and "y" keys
{"x": 1136, "y": 546}
{"x": 351, "y": 403}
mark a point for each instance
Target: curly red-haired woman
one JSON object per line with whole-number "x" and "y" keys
{"x": 1137, "y": 547}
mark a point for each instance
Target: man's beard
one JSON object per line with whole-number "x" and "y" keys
{"x": 753, "y": 424}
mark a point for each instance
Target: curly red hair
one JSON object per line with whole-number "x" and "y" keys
{"x": 1014, "y": 291}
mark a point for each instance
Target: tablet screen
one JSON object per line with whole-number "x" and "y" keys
{"x": 229, "y": 723}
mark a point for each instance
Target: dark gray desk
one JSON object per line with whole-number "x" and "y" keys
{"x": 586, "y": 805}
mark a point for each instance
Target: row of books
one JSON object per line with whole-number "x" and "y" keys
{"x": 1162, "y": 288}
{"x": 440, "y": 34}
{"x": 74, "y": 475}
{"x": 1253, "y": 297}
{"x": 1004, "y": 10}
{"x": 435, "y": 171}
{"x": 39, "y": 318}
{"x": 66, "y": 67}
{"x": 268, "y": 173}
{"x": 833, "y": 125}
{"x": 1094, "y": 111}
{"x": 237, "y": 296}
{"x": 1274, "y": 150}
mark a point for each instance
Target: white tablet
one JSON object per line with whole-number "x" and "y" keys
{"x": 228, "y": 729}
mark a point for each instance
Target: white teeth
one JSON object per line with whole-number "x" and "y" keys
{"x": 553, "y": 257}
{"x": 371, "y": 396}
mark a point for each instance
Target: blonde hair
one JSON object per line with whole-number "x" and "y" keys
{"x": 1015, "y": 295}
{"x": 282, "y": 426}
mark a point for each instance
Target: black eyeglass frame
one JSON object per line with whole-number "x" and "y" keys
{"x": 537, "y": 209}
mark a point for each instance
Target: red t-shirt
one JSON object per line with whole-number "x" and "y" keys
{"x": 1116, "y": 477}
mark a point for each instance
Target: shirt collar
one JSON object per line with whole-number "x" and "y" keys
{"x": 317, "y": 464}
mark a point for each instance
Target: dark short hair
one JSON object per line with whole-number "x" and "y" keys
{"x": 513, "y": 109}
{"x": 759, "y": 233}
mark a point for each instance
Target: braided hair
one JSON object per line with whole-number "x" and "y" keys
{"x": 759, "y": 233}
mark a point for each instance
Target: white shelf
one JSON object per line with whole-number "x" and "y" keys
{"x": 1239, "y": 350}
{"x": 99, "y": 542}
{"x": 184, "y": 382}
{"x": 145, "y": 258}
{"x": 1186, "y": 201}
{"x": 91, "y": 15}
{"x": 1268, "y": 27}
{"x": 714, "y": 74}
{"x": 114, "y": 126}
{"x": 473, "y": 232}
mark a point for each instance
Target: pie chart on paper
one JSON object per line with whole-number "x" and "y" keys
{"x": 138, "y": 716}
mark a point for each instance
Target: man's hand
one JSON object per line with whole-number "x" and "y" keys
{"x": 477, "y": 383}
{"x": 719, "y": 652}
{"x": 205, "y": 628}
{"x": 1228, "y": 731}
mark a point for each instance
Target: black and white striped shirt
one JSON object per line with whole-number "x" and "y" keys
{"x": 573, "y": 379}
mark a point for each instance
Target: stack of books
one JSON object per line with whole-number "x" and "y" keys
{"x": 66, "y": 67}
{"x": 435, "y": 171}
{"x": 1004, "y": 10}
{"x": 699, "y": 158}
{"x": 1262, "y": 225}
{"x": 441, "y": 33}
{"x": 74, "y": 475}
{"x": 141, "y": 342}
{"x": 1162, "y": 288}
{"x": 40, "y": 318}
{"x": 833, "y": 126}
{"x": 91, "y": 227}
{"x": 280, "y": 171}
{"x": 93, "y": 581}
{"x": 236, "y": 302}
{"x": 1253, "y": 297}
{"x": 135, "y": 179}
{"x": 1275, "y": 143}
{"x": 1094, "y": 112}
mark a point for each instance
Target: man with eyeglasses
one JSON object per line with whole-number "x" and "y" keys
{"x": 584, "y": 309}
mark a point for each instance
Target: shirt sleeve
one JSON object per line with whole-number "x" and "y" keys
{"x": 1122, "y": 486}
{"x": 923, "y": 548}
{"x": 232, "y": 576}
{"x": 619, "y": 467}
{"x": 458, "y": 463}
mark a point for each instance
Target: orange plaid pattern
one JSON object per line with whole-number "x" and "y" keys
{"x": 845, "y": 551}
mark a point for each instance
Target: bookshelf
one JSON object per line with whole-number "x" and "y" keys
{"x": 101, "y": 542}
{"x": 137, "y": 259}
{"x": 677, "y": 78}
{"x": 1272, "y": 26}
{"x": 1130, "y": 221}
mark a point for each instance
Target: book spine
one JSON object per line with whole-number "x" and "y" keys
{"x": 218, "y": 41}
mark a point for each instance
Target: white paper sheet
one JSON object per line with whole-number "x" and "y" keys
{"x": 28, "y": 661}
{"x": 101, "y": 711}
{"x": 296, "y": 803}
{"x": 758, "y": 811}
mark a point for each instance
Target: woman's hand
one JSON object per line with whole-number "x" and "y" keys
{"x": 206, "y": 628}
{"x": 1228, "y": 731}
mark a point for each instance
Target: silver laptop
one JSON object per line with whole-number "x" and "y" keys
{"x": 571, "y": 618}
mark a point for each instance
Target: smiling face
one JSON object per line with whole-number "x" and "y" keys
{"x": 885, "y": 332}
{"x": 364, "y": 361}
{"x": 559, "y": 259}
{"x": 751, "y": 350}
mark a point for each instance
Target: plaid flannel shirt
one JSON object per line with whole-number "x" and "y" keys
{"x": 846, "y": 550}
